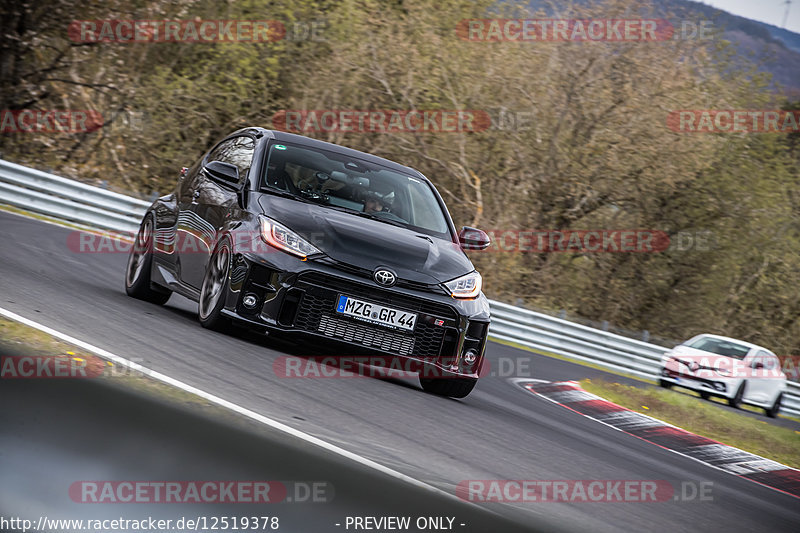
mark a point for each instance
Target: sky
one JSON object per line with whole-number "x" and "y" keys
{"x": 769, "y": 11}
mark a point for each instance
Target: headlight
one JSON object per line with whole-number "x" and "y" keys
{"x": 468, "y": 286}
{"x": 282, "y": 238}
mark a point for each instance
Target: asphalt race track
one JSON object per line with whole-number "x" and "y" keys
{"x": 141, "y": 438}
{"x": 498, "y": 432}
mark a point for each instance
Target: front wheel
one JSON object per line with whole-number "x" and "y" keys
{"x": 140, "y": 263}
{"x": 450, "y": 387}
{"x": 664, "y": 383}
{"x": 212, "y": 292}
{"x": 773, "y": 411}
{"x": 736, "y": 401}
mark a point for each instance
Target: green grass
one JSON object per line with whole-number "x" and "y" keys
{"x": 688, "y": 411}
{"x": 19, "y": 339}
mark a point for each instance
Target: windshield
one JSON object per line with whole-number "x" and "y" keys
{"x": 342, "y": 182}
{"x": 720, "y": 347}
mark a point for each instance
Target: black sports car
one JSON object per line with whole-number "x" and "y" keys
{"x": 287, "y": 234}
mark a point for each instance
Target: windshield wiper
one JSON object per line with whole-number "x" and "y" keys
{"x": 286, "y": 194}
{"x": 381, "y": 219}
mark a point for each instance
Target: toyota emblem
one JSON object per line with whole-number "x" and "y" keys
{"x": 385, "y": 277}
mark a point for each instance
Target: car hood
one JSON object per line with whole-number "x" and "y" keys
{"x": 686, "y": 352}
{"x": 369, "y": 244}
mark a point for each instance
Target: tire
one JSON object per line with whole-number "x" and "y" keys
{"x": 138, "y": 283}
{"x": 705, "y": 395}
{"x": 450, "y": 387}
{"x": 212, "y": 292}
{"x": 736, "y": 401}
{"x": 664, "y": 383}
{"x": 773, "y": 411}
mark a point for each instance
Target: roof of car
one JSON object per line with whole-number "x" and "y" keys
{"x": 737, "y": 341}
{"x": 322, "y": 145}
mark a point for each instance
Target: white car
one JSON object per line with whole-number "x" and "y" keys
{"x": 738, "y": 371}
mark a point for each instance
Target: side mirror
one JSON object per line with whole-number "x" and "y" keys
{"x": 473, "y": 239}
{"x": 757, "y": 364}
{"x": 223, "y": 173}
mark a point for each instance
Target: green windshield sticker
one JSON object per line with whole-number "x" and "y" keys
{"x": 280, "y": 147}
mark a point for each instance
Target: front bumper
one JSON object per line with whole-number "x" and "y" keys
{"x": 721, "y": 387}
{"x": 295, "y": 296}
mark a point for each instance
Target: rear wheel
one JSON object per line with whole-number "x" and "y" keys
{"x": 140, "y": 263}
{"x": 773, "y": 411}
{"x": 212, "y": 292}
{"x": 451, "y": 387}
{"x": 664, "y": 383}
{"x": 736, "y": 401}
{"x": 705, "y": 395}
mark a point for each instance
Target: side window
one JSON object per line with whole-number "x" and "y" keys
{"x": 237, "y": 151}
{"x": 765, "y": 358}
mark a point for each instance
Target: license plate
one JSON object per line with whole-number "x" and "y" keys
{"x": 376, "y": 314}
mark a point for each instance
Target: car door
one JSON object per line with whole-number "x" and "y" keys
{"x": 185, "y": 243}
{"x": 210, "y": 203}
{"x": 763, "y": 377}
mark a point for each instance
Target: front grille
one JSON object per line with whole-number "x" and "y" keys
{"x": 370, "y": 336}
{"x": 316, "y": 314}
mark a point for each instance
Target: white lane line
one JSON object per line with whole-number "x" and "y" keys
{"x": 116, "y": 359}
{"x": 520, "y": 381}
{"x": 76, "y": 226}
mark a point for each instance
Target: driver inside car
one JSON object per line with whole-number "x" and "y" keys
{"x": 377, "y": 202}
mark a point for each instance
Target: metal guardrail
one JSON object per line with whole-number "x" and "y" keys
{"x": 69, "y": 200}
